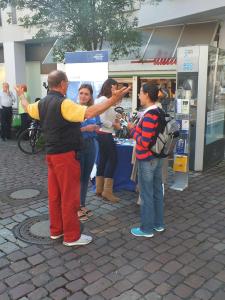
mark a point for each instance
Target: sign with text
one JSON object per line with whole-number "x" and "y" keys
{"x": 86, "y": 67}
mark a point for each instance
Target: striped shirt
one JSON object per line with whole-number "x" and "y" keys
{"x": 143, "y": 134}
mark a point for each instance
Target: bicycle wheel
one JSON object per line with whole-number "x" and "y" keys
{"x": 31, "y": 141}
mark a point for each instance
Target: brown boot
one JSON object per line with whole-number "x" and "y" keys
{"x": 99, "y": 185}
{"x": 107, "y": 193}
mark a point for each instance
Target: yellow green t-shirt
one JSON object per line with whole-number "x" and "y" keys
{"x": 20, "y": 107}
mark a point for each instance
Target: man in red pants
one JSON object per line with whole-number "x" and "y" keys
{"x": 60, "y": 121}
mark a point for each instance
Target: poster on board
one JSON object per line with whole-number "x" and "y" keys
{"x": 86, "y": 67}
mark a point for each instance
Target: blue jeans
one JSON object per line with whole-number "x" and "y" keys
{"x": 151, "y": 192}
{"x": 87, "y": 159}
{"x": 107, "y": 159}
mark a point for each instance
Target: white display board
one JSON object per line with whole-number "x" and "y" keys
{"x": 86, "y": 67}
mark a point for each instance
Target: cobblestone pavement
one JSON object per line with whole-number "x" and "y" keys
{"x": 185, "y": 262}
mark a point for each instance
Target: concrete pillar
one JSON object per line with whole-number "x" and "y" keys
{"x": 14, "y": 57}
{"x": 222, "y": 36}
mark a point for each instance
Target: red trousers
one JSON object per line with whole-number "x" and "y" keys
{"x": 64, "y": 194}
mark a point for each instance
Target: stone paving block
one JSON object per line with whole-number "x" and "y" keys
{"x": 5, "y": 221}
{"x": 56, "y": 283}
{"x": 4, "y": 262}
{"x": 163, "y": 289}
{"x": 110, "y": 293}
{"x": 8, "y": 247}
{"x": 3, "y": 287}
{"x": 165, "y": 257}
{"x": 76, "y": 285}
{"x": 205, "y": 272}
{"x": 175, "y": 279}
{"x": 203, "y": 294}
{"x": 21, "y": 290}
{"x": 4, "y": 296}
{"x": 119, "y": 261}
{"x": 219, "y": 247}
{"x": 2, "y": 240}
{"x": 38, "y": 294}
{"x": 131, "y": 254}
{"x": 93, "y": 276}
{"x": 60, "y": 294}
{"x": 219, "y": 295}
{"x": 49, "y": 253}
{"x": 5, "y": 272}
{"x": 41, "y": 279}
{"x": 56, "y": 261}
{"x": 36, "y": 259}
{"x": 123, "y": 285}
{"x": 125, "y": 270}
{"x": 20, "y": 266}
{"x": 152, "y": 266}
{"x": 186, "y": 270}
{"x": 153, "y": 296}
{"x": 144, "y": 286}
{"x": 194, "y": 281}
{"x": 68, "y": 256}
{"x": 171, "y": 296}
{"x": 98, "y": 286}
{"x": 31, "y": 213}
{"x": 107, "y": 268}
{"x": 128, "y": 295}
{"x": 212, "y": 284}
{"x": 31, "y": 250}
{"x": 215, "y": 266}
{"x": 183, "y": 291}
{"x": 15, "y": 256}
{"x": 90, "y": 267}
{"x": 78, "y": 296}
{"x": 137, "y": 276}
{"x": 39, "y": 269}
{"x": 17, "y": 279}
{"x": 139, "y": 263}
{"x": 19, "y": 217}
{"x": 186, "y": 258}
{"x": 172, "y": 267}
{"x": 74, "y": 274}
{"x": 58, "y": 271}
{"x": 221, "y": 276}
{"x": 159, "y": 277}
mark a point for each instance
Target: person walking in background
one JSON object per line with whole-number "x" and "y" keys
{"x": 107, "y": 159}
{"x": 60, "y": 122}
{"x": 149, "y": 166}
{"x": 7, "y": 99}
{"x": 24, "y": 117}
{"x": 88, "y": 151}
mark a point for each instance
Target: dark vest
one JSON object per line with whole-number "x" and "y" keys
{"x": 60, "y": 135}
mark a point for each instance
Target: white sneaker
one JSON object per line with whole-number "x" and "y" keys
{"x": 83, "y": 240}
{"x": 56, "y": 237}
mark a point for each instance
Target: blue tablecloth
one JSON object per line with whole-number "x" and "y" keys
{"x": 124, "y": 168}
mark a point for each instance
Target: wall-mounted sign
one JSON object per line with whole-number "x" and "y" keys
{"x": 188, "y": 59}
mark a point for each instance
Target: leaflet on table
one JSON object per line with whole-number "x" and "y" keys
{"x": 180, "y": 163}
{"x": 182, "y": 106}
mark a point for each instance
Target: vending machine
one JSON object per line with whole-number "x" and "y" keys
{"x": 200, "y": 106}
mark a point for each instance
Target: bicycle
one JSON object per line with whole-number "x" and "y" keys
{"x": 31, "y": 140}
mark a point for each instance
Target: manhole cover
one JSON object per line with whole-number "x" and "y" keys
{"x": 35, "y": 230}
{"x": 24, "y": 194}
